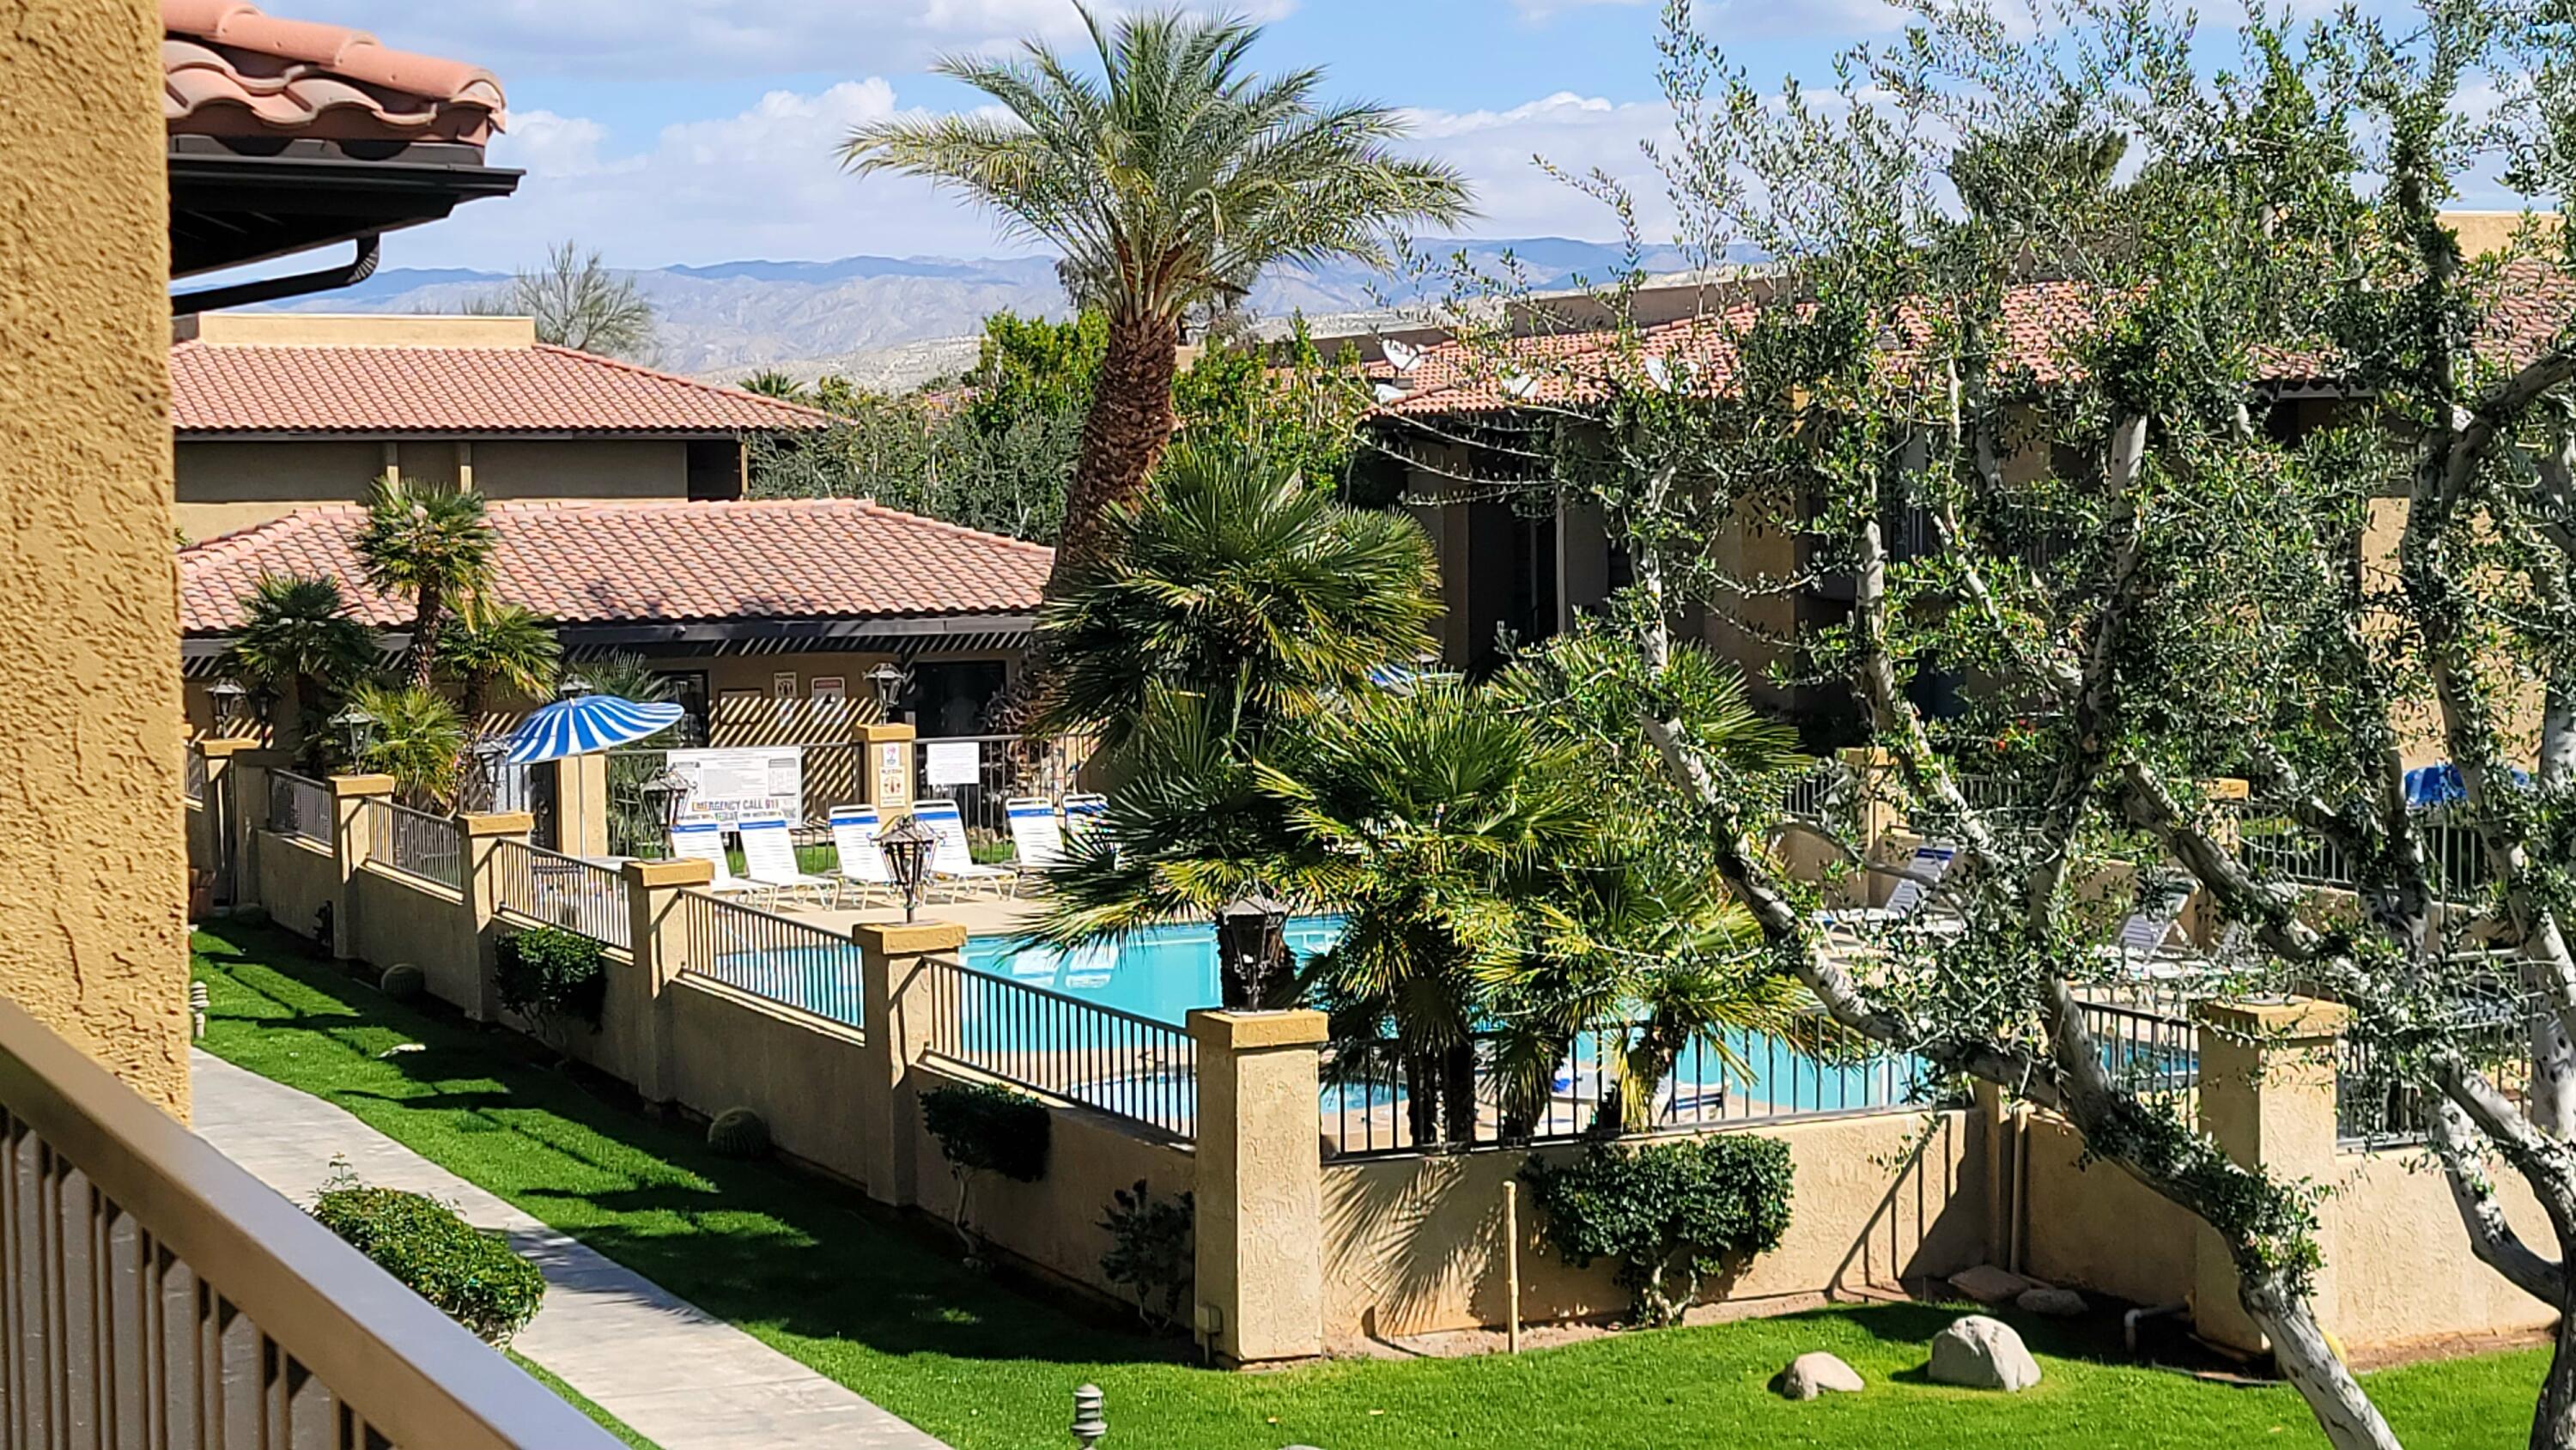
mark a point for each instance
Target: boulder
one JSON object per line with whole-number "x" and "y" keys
{"x": 1982, "y": 1354}
{"x": 2055, "y": 1303}
{"x": 1816, "y": 1373}
{"x": 1989, "y": 1285}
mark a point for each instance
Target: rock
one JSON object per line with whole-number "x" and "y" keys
{"x": 1982, "y": 1354}
{"x": 1816, "y": 1373}
{"x": 2055, "y": 1303}
{"x": 1989, "y": 1285}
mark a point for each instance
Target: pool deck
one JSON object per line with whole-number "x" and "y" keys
{"x": 981, "y": 916}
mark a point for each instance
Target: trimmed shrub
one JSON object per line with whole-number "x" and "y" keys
{"x": 553, "y": 978}
{"x": 472, "y": 1277}
{"x": 1671, "y": 1213}
{"x": 1152, "y": 1251}
{"x": 403, "y": 982}
{"x": 982, "y": 1128}
{"x": 739, "y": 1133}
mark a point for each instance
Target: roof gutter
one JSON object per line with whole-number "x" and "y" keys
{"x": 243, "y": 294}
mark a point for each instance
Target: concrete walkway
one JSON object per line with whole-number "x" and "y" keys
{"x": 675, "y": 1374}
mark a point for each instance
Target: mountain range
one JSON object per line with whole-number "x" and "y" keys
{"x": 891, "y": 322}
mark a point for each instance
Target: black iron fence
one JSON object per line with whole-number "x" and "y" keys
{"x": 553, "y": 889}
{"x": 415, "y": 843}
{"x": 299, "y": 806}
{"x": 779, "y": 958}
{"x": 1079, "y": 1051}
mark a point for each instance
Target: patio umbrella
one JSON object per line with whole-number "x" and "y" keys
{"x": 2440, "y": 785}
{"x": 584, "y": 724}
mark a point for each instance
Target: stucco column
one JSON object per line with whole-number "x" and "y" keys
{"x": 481, "y": 889}
{"x": 581, "y": 805}
{"x": 224, "y": 810}
{"x": 896, "y": 1006}
{"x": 2201, "y": 920}
{"x": 249, "y": 805}
{"x": 1260, "y": 1184}
{"x": 2267, "y": 1098}
{"x": 1875, "y": 813}
{"x": 659, "y": 928}
{"x": 885, "y": 768}
{"x": 351, "y": 831}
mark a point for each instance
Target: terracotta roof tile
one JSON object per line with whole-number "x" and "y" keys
{"x": 667, "y": 562}
{"x": 251, "y": 388}
{"x": 229, "y": 70}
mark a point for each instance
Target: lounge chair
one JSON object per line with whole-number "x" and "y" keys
{"x": 1083, "y": 813}
{"x": 862, "y": 867}
{"x": 769, "y": 860}
{"x": 1036, "y": 834}
{"x": 701, "y": 838}
{"x": 2147, "y": 942}
{"x": 951, "y": 862}
{"x": 1917, "y": 880}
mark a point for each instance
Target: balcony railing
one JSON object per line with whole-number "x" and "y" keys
{"x": 157, "y": 1294}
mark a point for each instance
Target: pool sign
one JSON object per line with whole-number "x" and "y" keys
{"x": 732, "y": 784}
{"x": 952, "y": 762}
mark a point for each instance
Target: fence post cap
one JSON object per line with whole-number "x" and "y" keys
{"x": 667, "y": 875}
{"x": 2292, "y": 1019}
{"x": 497, "y": 823}
{"x": 345, "y": 786}
{"x": 879, "y": 732}
{"x": 908, "y": 939}
{"x": 216, "y": 747}
{"x": 1258, "y": 1031}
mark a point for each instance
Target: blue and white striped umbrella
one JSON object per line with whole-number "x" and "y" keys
{"x": 584, "y": 724}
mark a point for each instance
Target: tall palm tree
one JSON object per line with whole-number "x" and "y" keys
{"x": 491, "y": 645}
{"x": 297, "y": 634}
{"x": 1231, "y": 580}
{"x": 1168, "y": 182}
{"x": 428, "y": 542}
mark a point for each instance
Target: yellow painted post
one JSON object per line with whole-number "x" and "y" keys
{"x": 658, "y": 926}
{"x": 885, "y": 768}
{"x": 350, "y": 834}
{"x": 224, "y": 811}
{"x": 2225, "y": 833}
{"x": 1876, "y": 814}
{"x": 897, "y": 1010}
{"x": 581, "y": 805}
{"x": 481, "y": 890}
{"x": 2267, "y": 1098}
{"x": 1260, "y": 1185}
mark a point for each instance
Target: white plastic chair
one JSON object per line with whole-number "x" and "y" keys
{"x": 701, "y": 838}
{"x": 951, "y": 860}
{"x": 1083, "y": 813}
{"x": 1035, "y": 833}
{"x": 769, "y": 860}
{"x": 1916, "y": 882}
{"x": 862, "y": 867}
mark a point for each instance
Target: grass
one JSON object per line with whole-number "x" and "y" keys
{"x": 873, "y": 1305}
{"x": 581, "y": 1402}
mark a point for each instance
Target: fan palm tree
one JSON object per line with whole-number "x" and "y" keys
{"x": 428, "y": 542}
{"x": 490, "y": 645}
{"x": 1167, "y": 182}
{"x": 417, "y": 739}
{"x": 297, "y": 634}
{"x": 1231, "y": 580}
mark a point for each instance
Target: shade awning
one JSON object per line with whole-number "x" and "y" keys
{"x": 584, "y": 725}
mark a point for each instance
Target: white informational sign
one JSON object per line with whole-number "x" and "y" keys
{"x": 732, "y": 784}
{"x": 953, "y": 762}
{"x": 824, "y": 688}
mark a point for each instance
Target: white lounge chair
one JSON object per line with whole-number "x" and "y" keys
{"x": 2147, "y": 936}
{"x": 701, "y": 838}
{"x": 862, "y": 867}
{"x": 769, "y": 860}
{"x": 1083, "y": 812}
{"x": 1036, "y": 834}
{"x": 1916, "y": 882}
{"x": 952, "y": 863}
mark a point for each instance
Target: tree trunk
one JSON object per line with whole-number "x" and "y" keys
{"x": 427, "y": 619}
{"x": 1458, "y": 1095}
{"x": 2553, "y": 1424}
{"x": 1123, "y": 436}
{"x": 2350, "y": 1420}
{"x": 1422, "y": 1098}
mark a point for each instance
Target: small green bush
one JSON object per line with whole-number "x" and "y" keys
{"x": 982, "y": 1128}
{"x": 403, "y": 982}
{"x": 739, "y": 1133}
{"x": 473, "y": 1277}
{"x": 1671, "y": 1213}
{"x": 552, "y": 978}
{"x": 1152, "y": 1251}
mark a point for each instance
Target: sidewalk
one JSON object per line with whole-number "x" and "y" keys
{"x": 676, "y": 1375}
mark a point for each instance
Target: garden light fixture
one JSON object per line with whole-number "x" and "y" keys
{"x": 357, "y": 724}
{"x": 1252, "y": 947}
{"x": 227, "y": 696}
{"x": 572, "y": 687}
{"x": 907, "y": 845}
{"x": 889, "y": 679}
{"x": 666, "y": 795}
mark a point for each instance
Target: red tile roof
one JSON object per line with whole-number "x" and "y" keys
{"x": 228, "y": 70}
{"x": 250, "y": 388}
{"x": 658, "y": 562}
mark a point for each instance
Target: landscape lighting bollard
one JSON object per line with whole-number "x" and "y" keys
{"x": 1088, "y": 1426}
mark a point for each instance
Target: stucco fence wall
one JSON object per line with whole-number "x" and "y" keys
{"x": 400, "y": 918}
{"x": 803, "y": 1074}
{"x": 1414, "y": 1244}
{"x": 297, "y": 878}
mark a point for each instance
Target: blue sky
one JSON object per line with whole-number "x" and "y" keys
{"x": 696, "y": 131}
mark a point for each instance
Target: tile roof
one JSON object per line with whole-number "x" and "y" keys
{"x": 657, "y": 562}
{"x": 249, "y": 388}
{"x": 228, "y": 70}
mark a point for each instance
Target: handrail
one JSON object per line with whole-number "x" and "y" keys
{"x": 396, "y": 1370}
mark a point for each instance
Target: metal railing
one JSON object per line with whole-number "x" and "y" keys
{"x": 1373, "y": 1105}
{"x": 1825, "y": 795}
{"x": 157, "y": 1294}
{"x": 192, "y": 775}
{"x": 299, "y": 806}
{"x": 553, "y": 889}
{"x": 1117, "y": 1062}
{"x": 776, "y": 957}
{"x": 2155, "y": 1054}
{"x": 415, "y": 843}
{"x": 2374, "y": 1108}
{"x": 1005, "y": 766}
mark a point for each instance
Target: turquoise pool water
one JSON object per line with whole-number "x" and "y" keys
{"x": 1161, "y": 972}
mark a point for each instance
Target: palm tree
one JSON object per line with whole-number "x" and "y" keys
{"x": 1231, "y": 580}
{"x": 771, "y": 383}
{"x": 493, "y": 644}
{"x": 428, "y": 542}
{"x": 297, "y": 634}
{"x": 1168, "y": 182}
{"x": 578, "y": 303}
{"x": 417, "y": 739}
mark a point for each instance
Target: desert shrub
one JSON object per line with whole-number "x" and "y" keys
{"x": 1671, "y": 1213}
{"x": 552, "y": 978}
{"x": 985, "y": 1129}
{"x": 472, "y": 1277}
{"x": 403, "y": 982}
{"x": 739, "y": 1133}
{"x": 1152, "y": 1251}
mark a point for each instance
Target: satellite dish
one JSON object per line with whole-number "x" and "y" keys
{"x": 1387, "y": 392}
{"x": 1518, "y": 384}
{"x": 1660, "y": 373}
{"x": 1401, "y": 356}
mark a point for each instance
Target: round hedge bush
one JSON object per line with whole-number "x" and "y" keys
{"x": 404, "y": 982}
{"x": 739, "y": 1133}
{"x": 471, "y": 1276}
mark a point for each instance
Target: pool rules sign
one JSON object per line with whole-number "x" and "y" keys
{"x": 894, "y": 775}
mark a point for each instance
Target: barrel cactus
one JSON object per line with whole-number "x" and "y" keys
{"x": 403, "y": 981}
{"x": 739, "y": 1133}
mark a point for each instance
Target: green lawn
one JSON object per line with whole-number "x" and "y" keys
{"x": 806, "y": 1268}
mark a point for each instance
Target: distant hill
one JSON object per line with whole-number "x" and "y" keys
{"x": 892, "y": 321}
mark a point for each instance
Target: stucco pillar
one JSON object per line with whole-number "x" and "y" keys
{"x": 249, "y": 804}
{"x": 896, "y": 1008}
{"x": 2267, "y": 1098}
{"x": 885, "y": 768}
{"x": 1875, "y": 814}
{"x": 1260, "y": 1185}
{"x": 581, "y": 805}
{"x": 351, "y": 831}
{"x": 482, "y": 893}
{"x": 659, "y": 928}
{"x": 224, "y": 810}
{"x": 2201, "y": 921}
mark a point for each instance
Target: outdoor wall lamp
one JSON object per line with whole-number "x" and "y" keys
{"x": 571, "y": 687}
{"x": 889, "y": 679}
{"x": 1252, "y": 944}
{"x": 357, "y": 724}
{"x": 908, "y": 845}
{"x": 666, "y": 794}
{"x": 227, "y": 696}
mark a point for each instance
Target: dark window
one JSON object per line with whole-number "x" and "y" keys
{"x": 715, "y": 469}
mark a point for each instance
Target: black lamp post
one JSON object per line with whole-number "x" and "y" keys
{"x": 1252, "y": 947}
{"x": 666, "y": 794}
{"x": 227, "y": 696}
{"x": 571, "y": 687}
{"x": 888, "y": 678}
{"x": 357, "y": 724}
{"x": 907, "y": 845}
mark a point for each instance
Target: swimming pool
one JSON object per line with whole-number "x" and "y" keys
{"x": 1159, "y": 973}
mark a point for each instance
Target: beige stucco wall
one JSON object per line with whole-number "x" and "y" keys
{"x": 1414, "y": 1244}
{"x": 2093, "y": 1227}
{"x": 400, "y": 919}
{"x": 569, "y": 468}
{"x": 227, "y": 485}
{"x": 800, "y": 1072}
{"x": 90, "y": 837}
{"x": 296, "y": 878}
{"x": 221, "y": 487}
{"x": 2404, "y": 1268}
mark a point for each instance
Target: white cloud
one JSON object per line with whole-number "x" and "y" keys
{"x": 1500, "y": 150}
